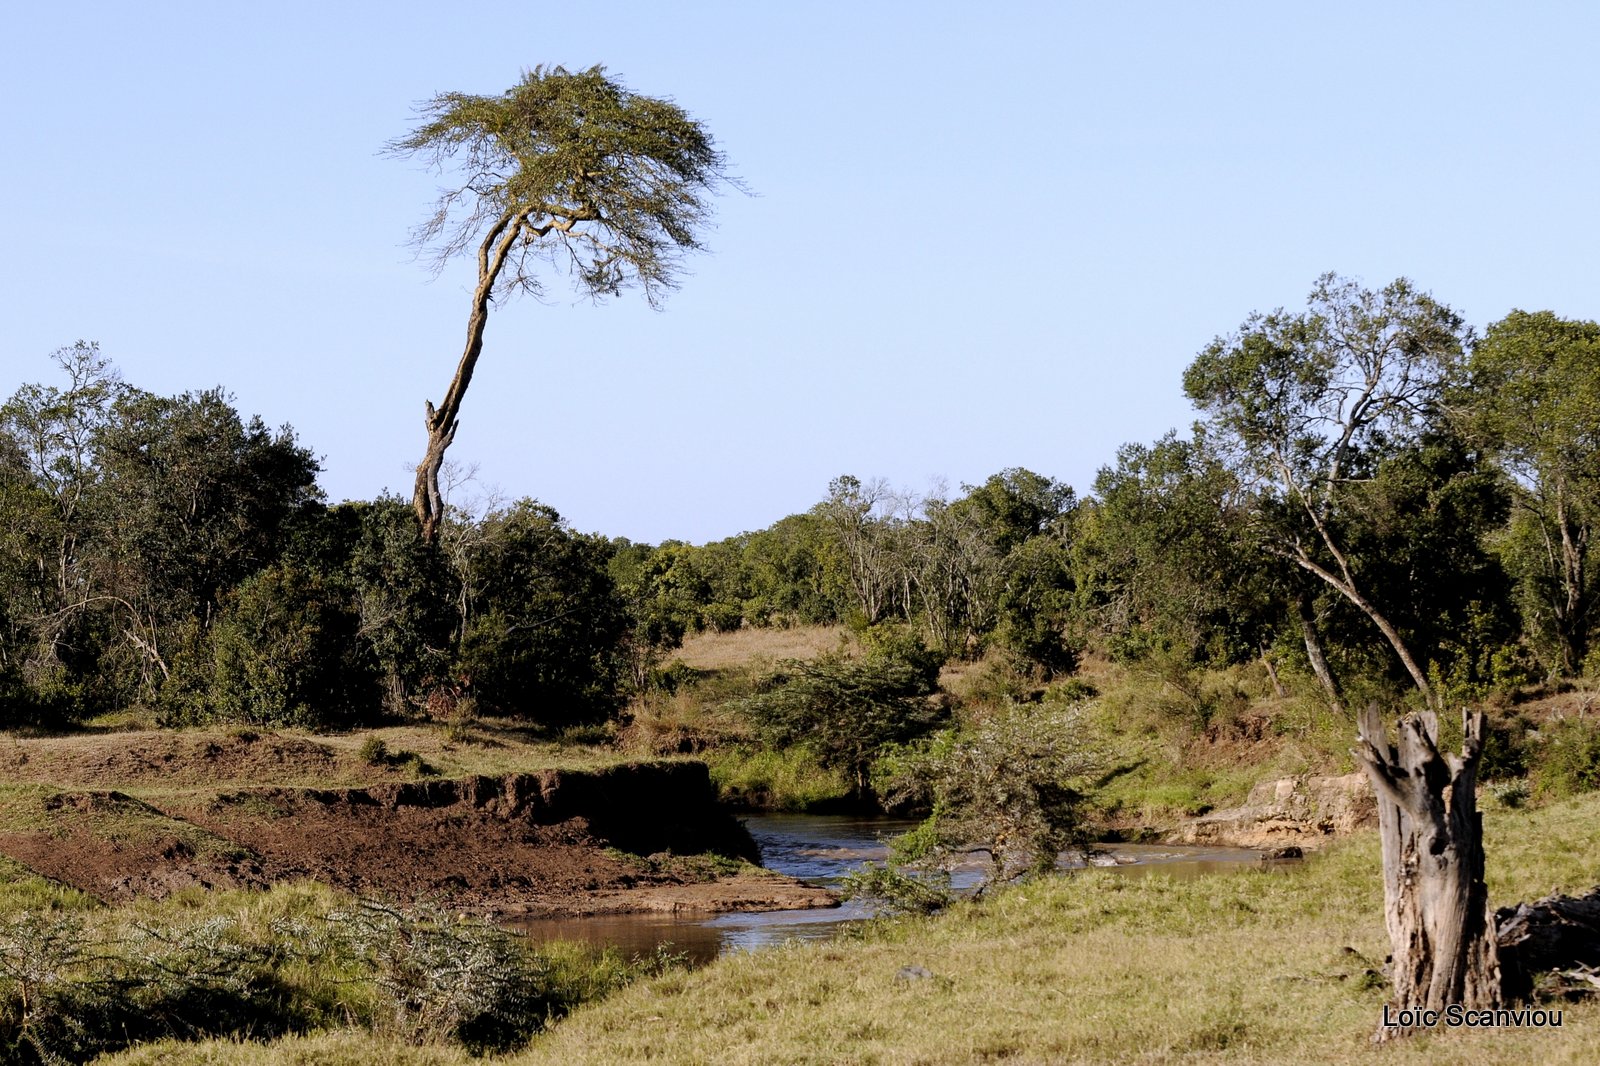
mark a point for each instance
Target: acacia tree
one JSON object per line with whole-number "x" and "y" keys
{"x": 1310, "y": 405}
{"x": 562, "y": 172}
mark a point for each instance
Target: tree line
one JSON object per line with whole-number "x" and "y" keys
{"x": 1374, "y": 498}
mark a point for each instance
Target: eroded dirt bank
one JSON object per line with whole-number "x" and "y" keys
{"x": 546, "y": 842}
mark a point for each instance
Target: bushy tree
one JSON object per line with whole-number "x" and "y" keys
{"x": 847, "y": 708}
{"x": 1308, "y": 406}
{"x": 1165, "y": 561}
{"x": 1534, "y": 402}
{"x": 285, "y": 653}
{"x": 193, "y": 500}
{"x": 1011, "y": 785}
{"x": 546, "y": 636}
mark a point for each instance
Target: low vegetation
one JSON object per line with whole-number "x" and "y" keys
{"x": 77, "y": 979}
{"x": 1275, "y": 965}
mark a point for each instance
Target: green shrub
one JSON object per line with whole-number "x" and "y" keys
{"x": 1012, "y": 785}
{"x": 373, "y": 751}
{"x": 846, "y": 709}
{"x": 1566, "y": 760}
{"x": 283, "y": 652}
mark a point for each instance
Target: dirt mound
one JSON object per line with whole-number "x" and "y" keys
{"x": 547, "y": 842}
{"x": 116, "y": 847}
{"x": 176, "y": 758}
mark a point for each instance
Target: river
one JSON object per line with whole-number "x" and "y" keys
{"x": 823, "y": 849}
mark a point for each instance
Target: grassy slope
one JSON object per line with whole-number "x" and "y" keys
{"x": 1101, "y": 968}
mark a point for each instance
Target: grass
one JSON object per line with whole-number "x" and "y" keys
{"x": 744, "y": 647}
{"x": 789, "y": 780}
{"x": 111, "y": 816}
{"x": 1259, "y": 967}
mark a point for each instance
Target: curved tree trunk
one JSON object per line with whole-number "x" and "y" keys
{"x": 441, "y": 422}
{"x": 1436, "y": 907}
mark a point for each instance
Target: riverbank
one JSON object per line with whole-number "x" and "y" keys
{"x": 1254, "y": 968}
{"x": 146, "y": 815}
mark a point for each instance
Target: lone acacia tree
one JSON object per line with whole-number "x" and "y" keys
{"x": 568, "y": 172}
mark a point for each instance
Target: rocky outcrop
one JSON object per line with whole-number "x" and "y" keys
{"x": 1289, "y": 812}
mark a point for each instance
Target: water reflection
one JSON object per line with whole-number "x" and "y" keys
{"x": 823, "y": 849}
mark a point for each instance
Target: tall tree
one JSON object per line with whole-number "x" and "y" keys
{"x": 53, "y": 433}
{"x": 1535, "y": 400}
{"x": 566, "y": 171}
{"x": 1310, "y": 405}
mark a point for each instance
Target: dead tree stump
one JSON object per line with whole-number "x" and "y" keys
{"x": 1436, "y": 907}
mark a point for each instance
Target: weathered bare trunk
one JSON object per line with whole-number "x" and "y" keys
{"x": 1272, "y": 672}
{"x": 1436, "y": 907}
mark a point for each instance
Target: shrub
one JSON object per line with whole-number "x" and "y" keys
{"x": 439, "y": 979}
{"x": 1567, "y": 759}
{"x": 1012, "y": 786}
{"x": 846, "y": 709}
{"x": 284, "y": 652}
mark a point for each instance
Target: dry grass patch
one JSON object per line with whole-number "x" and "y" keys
{"x": 746, "y": 647}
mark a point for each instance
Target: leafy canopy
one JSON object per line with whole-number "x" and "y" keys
{"x": 591, "y": 178}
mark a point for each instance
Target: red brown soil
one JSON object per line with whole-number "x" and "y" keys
{"x": 532, "y": 844}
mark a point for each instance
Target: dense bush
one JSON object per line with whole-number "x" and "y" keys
{"x": 1566, "y": 758}
{"x": 284, "y": 652}
{"x": 846, "y": 709}
{"x": 545, "y": 637}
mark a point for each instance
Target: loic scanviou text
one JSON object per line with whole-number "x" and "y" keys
{"x": 1455, "y": 1016}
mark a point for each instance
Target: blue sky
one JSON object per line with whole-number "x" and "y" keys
{"x": 981, "y": 237}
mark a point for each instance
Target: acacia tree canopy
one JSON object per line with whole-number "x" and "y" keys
{"x": 564, "y": 172}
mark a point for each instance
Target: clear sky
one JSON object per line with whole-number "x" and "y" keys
{"x": 983, "y": 235}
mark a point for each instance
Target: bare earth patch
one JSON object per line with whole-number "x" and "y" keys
{"x": 551, "y": 842}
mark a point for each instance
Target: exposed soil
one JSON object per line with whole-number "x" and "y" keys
{"x": 547, "y": 843}
{"x": 122, "y": 759}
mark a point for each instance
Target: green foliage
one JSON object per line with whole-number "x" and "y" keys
{"x": 845, "y": 709}
{"x": 68, "y": 993}
{"x": 1565, "y": 761}
{"x": 1535, "y": 402}
{"x": 787, "y": 779}
{"x": 1337, "y": 420}
{"x": 373, "y": 751}
{"x": 895, "y": 891}
{"x": 404, "y": 595}
{"x": 286, "y": 654}
{"x": 1164, "y": 558}
{"x": 546, "y": 629}
{"x": 626, "y": 176}
{"x": 1036, "y": 605}
{"x": 438, "y": 978}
